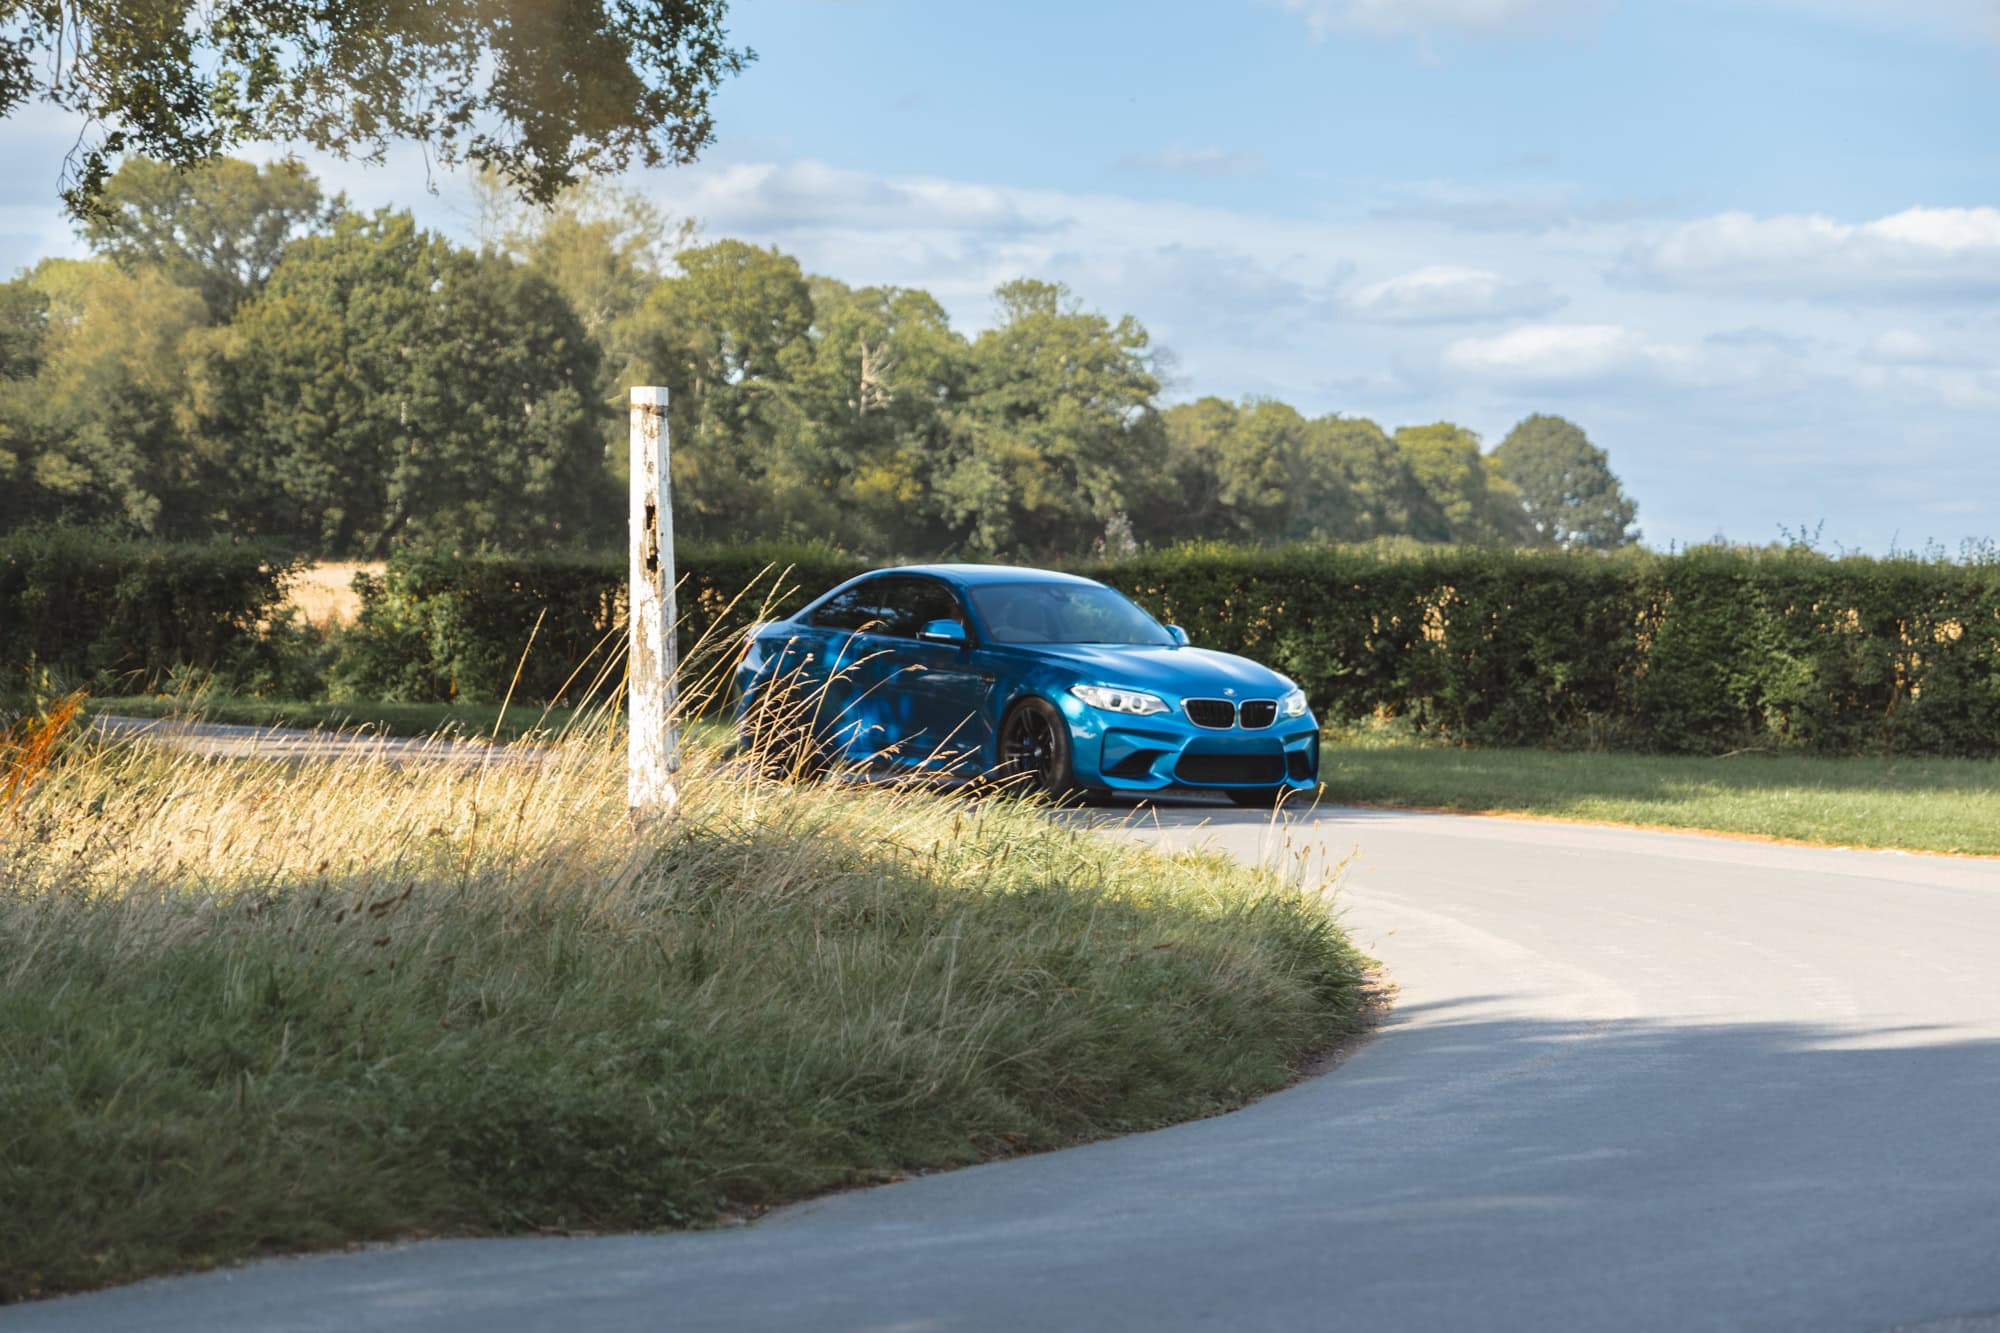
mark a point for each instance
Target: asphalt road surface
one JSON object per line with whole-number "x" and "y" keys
{"x": 1632, "y": 1081}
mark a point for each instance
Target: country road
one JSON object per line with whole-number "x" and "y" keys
{"x": 1632, "y": 1081}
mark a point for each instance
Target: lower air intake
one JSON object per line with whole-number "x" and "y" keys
{"x": 1230, "y": 769}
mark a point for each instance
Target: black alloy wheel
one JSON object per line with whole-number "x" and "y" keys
{"x": 1034, "y": 749}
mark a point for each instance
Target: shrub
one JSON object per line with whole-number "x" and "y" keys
{"x": 443, "y": 628}
{"x": 1708, "y": 650}
{"x": 1712, "y": 649}
{"x": 99, "y": 609}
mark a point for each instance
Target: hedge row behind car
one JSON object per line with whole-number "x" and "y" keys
{"x": 1709, "y": 650}
{"x": 119, "y": 614}
{"x": 1704, "y": 651}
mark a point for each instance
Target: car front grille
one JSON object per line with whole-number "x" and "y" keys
{"x": 1230, "y": 769}
{"x": 1215, "y": 714}
{"x": 1256, "y": 714}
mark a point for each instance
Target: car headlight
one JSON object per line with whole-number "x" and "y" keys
{"x": 1113, "y": 700}
{"x": 1293, "y": 704}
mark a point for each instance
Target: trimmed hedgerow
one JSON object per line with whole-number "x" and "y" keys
{"x": 456, "y": 628}
{"x": 1707, "y": 650}
{"x": 1703, "y": 651}
{"x": 96, "y": 609}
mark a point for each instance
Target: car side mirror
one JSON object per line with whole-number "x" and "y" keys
{"x": 1179, "y": 635}
{"x": 944, "y": 631}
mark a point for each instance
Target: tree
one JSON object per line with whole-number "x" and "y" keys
{"x": 1381, "y": 491}
{"x": 541, "y": 92}
{"x": 24, "y": 322}
{"x": 90, "y": 405}
{"x": 387, "y": 387}
{"x": 1566, "y": 483}
{"x": 725, "y": 336}
{"x": 605, "y": 249}
{"x": 872, "y": 415}
{"x": 219, "y": 228}
{"x": 1190, "y": 502}
{"x": 1477, "y": 505}
{"x": 1057, "y": 435}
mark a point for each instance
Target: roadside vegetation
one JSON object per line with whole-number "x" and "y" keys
{"x": 255, "y": 1007}
{"x": 1916, "y": 804}
{"x": 465, "y": 722}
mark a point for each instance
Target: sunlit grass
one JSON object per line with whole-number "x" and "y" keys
{"x": 255, "y": 1006}
{"x": 1940, "y": 805}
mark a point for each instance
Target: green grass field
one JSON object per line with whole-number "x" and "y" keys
{"x": 250, "y": 1007}
{"x": 1937, "y": 805}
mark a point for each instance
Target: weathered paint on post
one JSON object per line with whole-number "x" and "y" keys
{"x": 652, "y": 748}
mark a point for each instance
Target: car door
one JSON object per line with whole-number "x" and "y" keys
{"x": 847, "y": 702}
{"x": 900, "y": 688}
{"x": 944, "y": 691}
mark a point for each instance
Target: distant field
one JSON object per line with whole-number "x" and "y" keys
{"x": 1936, "y": 805}
{"x": 323, "y": 592}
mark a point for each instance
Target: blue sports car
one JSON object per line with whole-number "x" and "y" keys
{"x": 1021, "y": 674}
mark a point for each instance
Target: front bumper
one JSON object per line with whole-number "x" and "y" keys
{"x": 1140, "y": 754}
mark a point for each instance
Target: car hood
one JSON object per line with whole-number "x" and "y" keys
{"x": 1181, "y": 672}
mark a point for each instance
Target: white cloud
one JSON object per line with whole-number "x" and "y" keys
{"x": 1755, "y": 340}
{"x": 1927, "y": 253}
{"x": 1978, "y": 19}
{"x": 1445, "y": 294}
{"x": 799, "y": 195}
{"x": 1179, "y": 161}
{"x": 1916, "y": 369}
{"x": 1567, "y": 353}
{"x": 1524, "y": 205}
{"x": 1903, "y": 347}
{"x": 1959, "y": 388}
{"x": 1472, "y": 18}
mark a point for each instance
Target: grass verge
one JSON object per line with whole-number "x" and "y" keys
{"x": 252, "y": 1007}
{"x": 1935, "y": 805}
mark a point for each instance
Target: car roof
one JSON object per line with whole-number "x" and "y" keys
{"x": 974, "y": 575}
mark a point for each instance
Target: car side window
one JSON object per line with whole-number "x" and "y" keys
{"x": 860, "y": 607}
{"x": 894, "y": 606}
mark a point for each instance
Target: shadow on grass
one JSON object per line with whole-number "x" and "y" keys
{"x": 1471, "y": 1169}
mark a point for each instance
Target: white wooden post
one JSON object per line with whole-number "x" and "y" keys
{"x": 652, "y": 748}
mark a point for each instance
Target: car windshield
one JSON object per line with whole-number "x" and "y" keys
{"x": 1064, "y": 613}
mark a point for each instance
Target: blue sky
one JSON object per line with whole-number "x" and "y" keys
{"x": 1752, "y": 246}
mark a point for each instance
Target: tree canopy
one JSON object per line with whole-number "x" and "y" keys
{"x": 540, "y": 92}
{"x": 219, "y": 228}
{"x": 1566, "y": 485}
{"x": 247, "y": 357}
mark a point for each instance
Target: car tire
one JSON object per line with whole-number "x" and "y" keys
{"x": 1260, "y": 798}
{"x": 1033, "y": 747}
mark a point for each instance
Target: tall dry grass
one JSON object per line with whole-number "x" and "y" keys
{"x": 253, "y": 1006}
